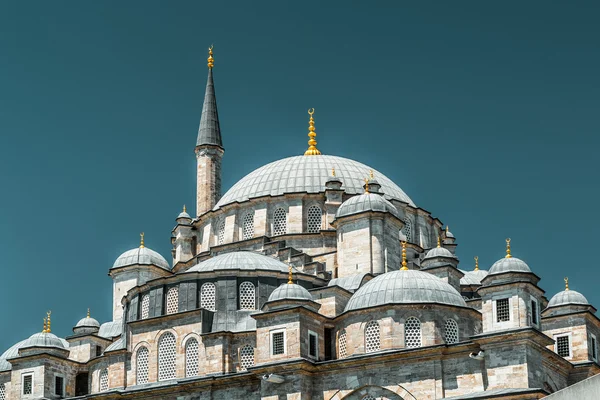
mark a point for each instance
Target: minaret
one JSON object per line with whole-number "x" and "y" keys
{"x": 209, "y": 148}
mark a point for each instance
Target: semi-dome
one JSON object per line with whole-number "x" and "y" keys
{"x": 244, "y": 260}
{"x": 12, "y": 352}
{"x": 404, "y": 287}
{"x": 473, "y": 277}
{"x": 88, "y": 322}
{"x": 363, "y": 203}
{"x": 290, "y": 291}
{"x": 567, "y": 297}
{"x": 45, "y": 339}
{"x": 439, "y": 252}
{"x": 308, "y": 174}
{"x": 141, "y": 256}
{"x": 511, "y": 264}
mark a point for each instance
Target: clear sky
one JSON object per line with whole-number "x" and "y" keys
{"x": 486, "y": 114}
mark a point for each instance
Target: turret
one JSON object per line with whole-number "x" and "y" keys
{"x": 209, "y": 148}
{"x": 184, "y": 239}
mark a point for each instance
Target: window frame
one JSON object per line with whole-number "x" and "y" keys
{"x": 137, "y": 365}
{"x": 285, "y": 219}
{"x": 495, "y": 310}
{"x": 162, "y": 366}
{"x": 240, "y": 356}
{"x": 271, "y": 343}
{"x": 344, "y": 335}
{"x": 535, "y": 323}
{"x": 23, "y": 376}
{"x": 419, "y": 324}
{"x": 569, "y": 336}
{"x": 446, "y": 323}
{"x": 172, "y": 291}
{"x": 308, "y": 214}
{"x": 203, "y": 296}
{"x": 64, "y": 385}
{"x": 367, "y": 326}
{"x": 100, "y": 390}
{"x": 196, "y": 355}
{"x": 316, "y": 336}
{"x": 240, "y": 296}
{"x": 247, "y": 220}
{"x": 594, "y": 347}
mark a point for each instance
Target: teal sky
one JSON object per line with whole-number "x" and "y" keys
{"x": 485, "y": 114}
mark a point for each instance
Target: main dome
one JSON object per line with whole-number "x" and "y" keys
{"x": 308, "y": 174}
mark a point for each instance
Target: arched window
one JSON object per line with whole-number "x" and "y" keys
{"x": 208, "y": 293}
{"x": 279, "y": 222}
{"x": 104, "y": 380}
{"x": 407, "y": 229}
{"x": 166, "y": 357}
{"x": 248, "y": 226}
{"x": 372, "y": 339}
{"x": 342, "y": 345}
{"x": 145, "y": 306}
{"x": 3, "y": 391}
{"x": 412, "y": 332}
{"x": 173, "y": 300}
{"x": 246, "y": 357}
{"x": 451, "y": 331}
{"x": 191, "y": 358}
{"x": 313, "y": 219}
{"x": 247, "y": 296}
{"x": 221, "y": 231}
{"x": 141, "y": 362}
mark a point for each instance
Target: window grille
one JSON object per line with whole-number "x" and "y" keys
{"x": 412, "y": 332}
{"x": 279, "y": 222}
{"x": 534, "y": 312}
{"x": 313, "y": 342}
{"x": 369, "y": 397}
{"x": 407, "y": 229}
{"x": 372, "y": 338}
{"x": 104, "y": 380}
{"x": 191, "y": 358}
{"x": 221, "y": 232}
{"x": 342, "y": 346}
{"x": 246, "y": 357}
{"x": 247, "y": 296}
{"x": 248, "y": 226}
{"x": 3, "y": 391}
{"x": 502, "y": 310}
{"x": 451, "y": 331}
{"x": 313, "y": 219}
{"x": 145, "y": 306}
{"x": 563, "y": 346}
{"x": 141, "y": 364}
{"x": 208, "y": 293}
{"x": 166, "y": 357}
{"x": 28, "y": 384}
{"x": 278, "y": 343}
{"x": 59, "y": 388}
{"x": 173, "y": 300}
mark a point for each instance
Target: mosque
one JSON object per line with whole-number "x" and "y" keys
{"x": 312, "y": 277}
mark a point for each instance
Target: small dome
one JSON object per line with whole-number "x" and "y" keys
{"x": 439, "y": 252}
{"x": 404, "y": 287}
{"x": 243, "y": 260}
{"x": 141, "y": 256}
{"x": 45, "y": 339}
{"x": 567, "y": 297}
{"x": 290, "y": 291}
{"x": 88, "y": 322}
{"x": 511, "y": 264}
{"x": 473, "y": 277}
{"x": 184, "y": 215}
{"x": 449, "y": 234}
{"x": 365, "y": 202}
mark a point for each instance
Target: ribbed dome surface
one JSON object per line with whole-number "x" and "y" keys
{"x": 404, "y": 287}
{"x": 308, "y": 174}
{"x": 87, "y": 322}
{"x": 244, "y": 260}
{"x": 141, "y": 256}
{"x": 184, "y": 215}
{"x": 42, "y": 339}
{"x": 567, "y": 297}
{"x": 365, "y": 202}
{"x": 509, "y": 265}
{"x": 439, "y": 252}
{"x": 473, "y": 277}
{"x": 12, "y": 352}
{"x": 290, "y": 291}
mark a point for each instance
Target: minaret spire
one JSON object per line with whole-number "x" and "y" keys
{"x": 209, "y": 132}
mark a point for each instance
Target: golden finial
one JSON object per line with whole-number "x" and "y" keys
{"x": 366, "y": 185}
{"x": 447, "y": 229}
{"x": 211, "y": 60}
{"x": 476, "y": 263}
{"x": 566, "y": 283}
{"x": 312, "y": 143}
{"x": 333, "y": 171}
{"x": 371, "y": 175}
{"x": 45, "y": 328}
{"x": 142, "y": 240}
{"x": 290, "y": 275}
{"x": 508, "y": 248}
{"x": 88, "y": 313}
{"x": 404, "y": 267}
{"x": 48, "y": 327}
{"x": 439, "y": 244}
{"x": 184, "y": 208}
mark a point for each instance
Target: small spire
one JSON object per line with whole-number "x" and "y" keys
{"x": 142, "y": 240}
{"x": 45, "y": 326}
{"x": 48, "y": 327}
{"x": 367, "y": 185}
{"x": 447, "y": 229}
{"x": 439, "y": 244}
{"x": 566, "y": 283}
{"x": 371, "y": 174}
{"x": 211, "y": 60}
{"x": 508, "y": 248}
{"x": 404, "y": 267}
{"x": 476, "y": 263}
{"x": 184, "y": 208}
{"x": 290, "y": 275}
{"x": 312, "y": 143}
{"x": 88, "y": 313}
{"x": 333, "y": 171}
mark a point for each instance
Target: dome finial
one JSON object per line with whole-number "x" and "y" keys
{"x": 476, "y": 263}
{"x": 211, "y": 60}
{"x": 371, "y": 174}
{"x": 312, "y": 143}
{"x": 439, "y": 244}
{"x": 366, "y": 185}
{"x": 142, "y": 240}
{"x": 404, "y": 267}
{"x": 88, "y": 313}
{"x": 333, "y": 171}
{"x": 45, "y": 326}
{"x": 184, "y": 208}
{"x": 48, "y": 327}
{"x": 290, "y": 275}
{"x": 566, "y": 283}
{"x": 508, "y": 248}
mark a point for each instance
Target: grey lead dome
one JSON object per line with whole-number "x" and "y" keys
{"x": 141, "y": 256}
{"x": 404, "y": 287}
{"x": 244, "y": 260}
{"x": 512, "y": 264}
{"x": 365, "y": 202}
{"x": 308, "y": 174}
{"x": 567, "y": 297}
{"x": 45, "y": 339}
{"x": 290, "y": 291}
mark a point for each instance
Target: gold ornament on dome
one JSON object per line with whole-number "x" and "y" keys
{"x": 312, "y": 143}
